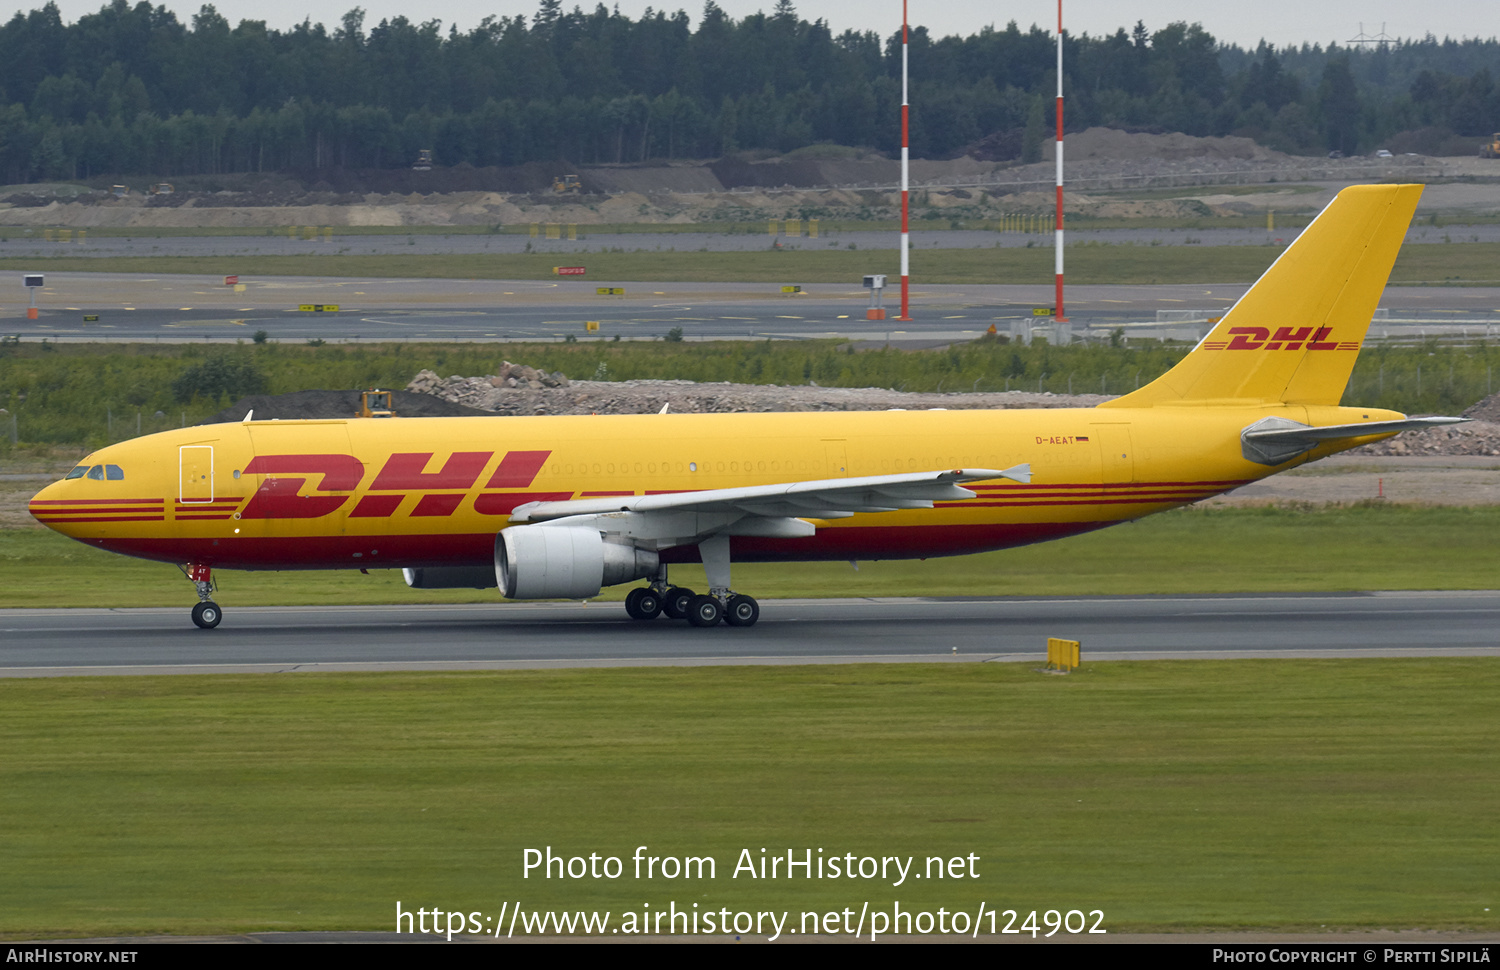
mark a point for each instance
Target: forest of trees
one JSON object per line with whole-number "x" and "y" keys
{"x": 131, "y": 90}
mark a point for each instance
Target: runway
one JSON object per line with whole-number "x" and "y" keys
{"x": 46, "y": 643}
{"x": 108, "y": 307}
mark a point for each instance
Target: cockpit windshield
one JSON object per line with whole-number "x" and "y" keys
{"x": 98, "y": 473}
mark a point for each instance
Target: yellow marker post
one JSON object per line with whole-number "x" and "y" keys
{"x": 82, "y": 234}
{"x": 533, "y": 230}
{"x": 291, "y": 232}
{"x": 1270, "y": 221}
{"x": 47, "y": 234}
{"x": 771, "y": 227}
{"x": 591, "y": 325}
{"x": 328, "y": 234}
{"x": 572, "y": 230}
{"x": 554, "y": 230}
{"x": 794, "y": 227}
{"x": 64, "y": 235}
{"x": 1062, "y": 654}
{"x": 812, "y": 229}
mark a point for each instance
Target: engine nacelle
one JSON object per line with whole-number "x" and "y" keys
{"x": 563, "y": 562}
{"x": 450, "y": 577}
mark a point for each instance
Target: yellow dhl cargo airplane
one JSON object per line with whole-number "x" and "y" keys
{"x": 558, "y": 507}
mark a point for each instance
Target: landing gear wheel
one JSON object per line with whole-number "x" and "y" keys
{"x": 207, "y": 615}
{"x": 742, "y": 611}
{"x": 643, "y": 603}
{"x": 677, "y": 602}
{"x": 704, "y": 611}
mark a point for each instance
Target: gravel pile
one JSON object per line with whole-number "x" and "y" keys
{"x": 1481, "y": 436}
{"x": 520, "y": 390}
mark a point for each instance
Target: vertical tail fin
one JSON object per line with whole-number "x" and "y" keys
{"x": 1294, "y": 336}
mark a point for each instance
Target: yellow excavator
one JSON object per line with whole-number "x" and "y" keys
{"x": 1491, "y": 148}
{"x": 566, "y": 185}
{"x": 376, "y": 403}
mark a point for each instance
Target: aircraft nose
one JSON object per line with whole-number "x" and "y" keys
{"x": 44, "y": 505}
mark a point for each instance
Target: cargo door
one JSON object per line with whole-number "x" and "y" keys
{"x": 836, "y": 460}
{"x": 1116, "y": 456}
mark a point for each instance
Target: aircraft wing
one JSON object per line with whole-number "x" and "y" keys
{"x": 759, "y": 509}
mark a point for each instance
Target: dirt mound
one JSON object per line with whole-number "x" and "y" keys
{"x": 1116, "y": 144}
{"x": 334, "y": 404}
{"x": 1486, "y": 410}
{"x": 504, "y": 394}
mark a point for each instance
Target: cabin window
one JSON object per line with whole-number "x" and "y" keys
{"x": 114, "y": 473}
{"x": 78, "y": 472}
{"x": 97, "y": 473}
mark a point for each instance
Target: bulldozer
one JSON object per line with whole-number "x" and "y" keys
{"x": 566, "y": 185}
{"x": 424, "y": 161}
{"x": 376, "y": 403}
{"x": 1491, "y": 148}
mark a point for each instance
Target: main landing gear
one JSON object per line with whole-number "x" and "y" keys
{"x": 206, "y": 615}
{"x": 720, "y": 603}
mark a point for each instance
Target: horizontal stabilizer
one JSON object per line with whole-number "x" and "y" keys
{"x": 1271, "y": 441}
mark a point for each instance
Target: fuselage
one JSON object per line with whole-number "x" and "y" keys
{"x": 421, "y": 492}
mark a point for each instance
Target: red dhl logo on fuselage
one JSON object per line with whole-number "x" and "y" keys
{"x": 1285, "y": 338}
{"x": 403, "y": 473}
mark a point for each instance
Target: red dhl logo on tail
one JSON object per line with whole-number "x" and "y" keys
{"x": 278, "y": 498}
{"x": 1285, "y": 338}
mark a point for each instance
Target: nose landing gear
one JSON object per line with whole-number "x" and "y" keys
{"x": 206, "y": 615}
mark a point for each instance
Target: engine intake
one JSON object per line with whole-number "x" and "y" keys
{"x": 564, "y": 562}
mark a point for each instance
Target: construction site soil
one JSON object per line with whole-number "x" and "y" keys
{"x": 1111, "y": 173}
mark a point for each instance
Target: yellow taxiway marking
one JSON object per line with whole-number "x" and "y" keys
{"x": 843, "y": 316}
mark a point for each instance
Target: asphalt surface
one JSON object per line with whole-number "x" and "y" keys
{"x": 395, "y": 242}
{"x": 516, "y": 635}
{"x": 176, "y": 309}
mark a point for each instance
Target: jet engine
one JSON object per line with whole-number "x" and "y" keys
{"x": 564, "y": 562}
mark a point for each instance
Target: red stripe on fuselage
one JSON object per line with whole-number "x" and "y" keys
{"x": 376, "y": 507}
{"x": 96, "y": 501}
{"x": 518, "y": 469}
{"x": 437, "y": 505}
{"x": 477, "y": 549}
{"x": 403, "y": 471}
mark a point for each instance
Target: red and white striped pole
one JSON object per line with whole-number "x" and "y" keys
{"x": 1059, "y": 243}
{"x": 905, "y": 186}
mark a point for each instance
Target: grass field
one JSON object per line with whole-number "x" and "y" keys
{"x": 1175, "y": 795}
{"x": 1186, "y": 551}
{"x": 1455, "y": 263}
